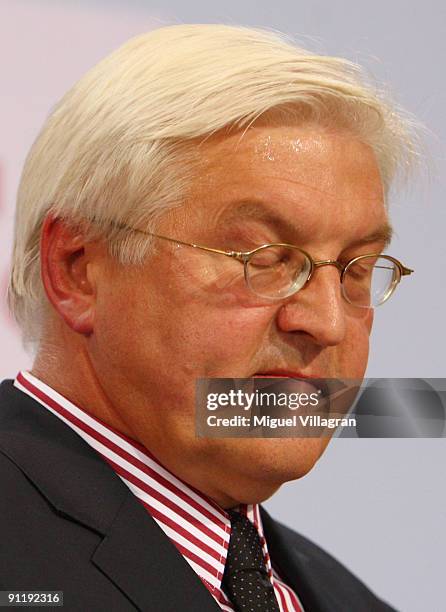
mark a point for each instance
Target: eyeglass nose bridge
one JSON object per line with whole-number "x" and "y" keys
{"x": 326, "y": 262}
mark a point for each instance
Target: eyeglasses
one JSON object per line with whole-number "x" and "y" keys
{"x": 279, "y": 270}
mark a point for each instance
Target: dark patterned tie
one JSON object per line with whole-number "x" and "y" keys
{"x": 245, "y": 579}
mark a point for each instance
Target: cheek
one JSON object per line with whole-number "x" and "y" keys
{"x": 120, "y": 321}
{"x": 187, "y": 333}
{"x": 355, "y": 351}
{"x": 215, "y": 329}
{"x": 223, "y": 340}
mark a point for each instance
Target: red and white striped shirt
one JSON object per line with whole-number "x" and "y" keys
{"x": 197, "y": 526}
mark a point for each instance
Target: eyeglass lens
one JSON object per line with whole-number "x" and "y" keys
{"x": 279, "y": 271}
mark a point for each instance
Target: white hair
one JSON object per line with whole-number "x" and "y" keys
{"x": 121, "y": 144}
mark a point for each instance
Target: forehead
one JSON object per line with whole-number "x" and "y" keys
{"x": 287, "y": 152}
{"x": 307, "y": 173}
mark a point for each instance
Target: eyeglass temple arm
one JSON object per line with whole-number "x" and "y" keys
{"x": 235, "y": 254}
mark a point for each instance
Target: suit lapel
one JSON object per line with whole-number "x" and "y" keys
{"x": 287, "y": 550}
{"x": 134, "y": 552}
{"x": 138, "y": 557}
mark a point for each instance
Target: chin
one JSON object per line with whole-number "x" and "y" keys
{"x": 291, "y": 458}
{"x": 266, "y": 464}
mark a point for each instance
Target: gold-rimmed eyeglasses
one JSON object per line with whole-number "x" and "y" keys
{"x": 278, "y": 270}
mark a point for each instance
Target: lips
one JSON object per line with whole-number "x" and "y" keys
{"x": 283, "y": 374}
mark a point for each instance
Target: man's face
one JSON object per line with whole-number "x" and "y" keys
{"x": 187, "y": 314}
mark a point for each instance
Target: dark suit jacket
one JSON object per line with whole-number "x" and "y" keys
{"x": 68, "y": 522}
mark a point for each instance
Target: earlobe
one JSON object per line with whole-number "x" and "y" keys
{"x": 64, "y": 270}
{"x": 83, "y": 323}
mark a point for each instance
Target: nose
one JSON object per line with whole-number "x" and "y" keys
{"x": 318, "y": 309}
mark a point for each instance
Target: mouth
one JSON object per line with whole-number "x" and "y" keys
{"x": 305, "y": 382}
{"x": 283, "y": 374}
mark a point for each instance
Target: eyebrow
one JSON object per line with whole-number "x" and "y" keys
{"x": 258, "y": 210}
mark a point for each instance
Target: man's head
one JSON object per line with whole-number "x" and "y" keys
{"x": 220, "y": 136}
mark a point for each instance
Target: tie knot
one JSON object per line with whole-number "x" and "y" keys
{"x": 245, "y": 548}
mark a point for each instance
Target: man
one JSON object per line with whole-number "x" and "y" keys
{"x": 150, "y": 182}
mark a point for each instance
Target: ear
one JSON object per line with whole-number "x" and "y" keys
{"x": 67, "y": 269}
